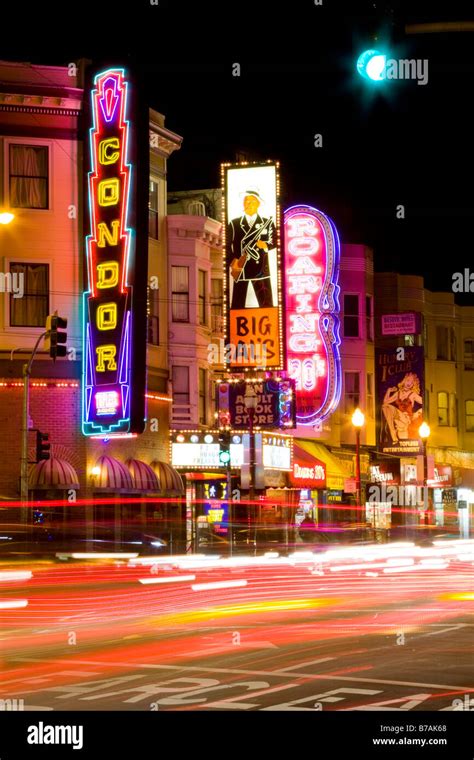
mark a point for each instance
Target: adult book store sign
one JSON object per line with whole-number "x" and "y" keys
{"x": 275, "y": 406}
{"x": 253, "y": 266}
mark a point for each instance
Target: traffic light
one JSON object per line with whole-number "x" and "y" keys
{"x": 224, "y": 451}
{"x": 42, "y": 446}
{"x": 55, "y": 340}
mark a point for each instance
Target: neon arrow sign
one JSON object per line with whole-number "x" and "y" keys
{"x": 108, "y": 300}
{"x": 312, "y": 312}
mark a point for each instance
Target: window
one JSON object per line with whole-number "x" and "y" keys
{"x": 153, "y": 210}
{"x": 453, "y": 410}
{"x": 352, "y": 391}
{"x": 469, "y": 354}
{"x": 445, "y": 343}
{"x": 180, "y": 294}
{"x": 32, "y": 309}
{"x": 202, "y": 297}
{"x": 441, "y": 342}
{"x": 443, "y": 408}
{"x": 154, "y": 316}
{"x": 351, "y": 316}
{"x": 217, "y": 305}
{"x": 180, "y": 379}
{"x": 29, "y": 176}
{"x": 202, "y": 396}
{"x": 368, "y": 318}
{"x": 370, "y": 394}
{"x": 470, "y": 416}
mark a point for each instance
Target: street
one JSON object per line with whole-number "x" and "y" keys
{"x": 357, "y": 628}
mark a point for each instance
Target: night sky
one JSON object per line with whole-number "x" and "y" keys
{"x": 399, "y": 143}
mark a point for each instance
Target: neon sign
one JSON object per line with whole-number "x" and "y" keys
{"x": 113, "y": 260}
{"x": 312, "y": 312}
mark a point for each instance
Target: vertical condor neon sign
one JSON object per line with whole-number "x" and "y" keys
{"x": 113, "y": 368}
{"x": 312, "y": 312}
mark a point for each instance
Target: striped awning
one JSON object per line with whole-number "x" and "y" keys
{"x": 53, "y": 474}
{"x": 170, "y": 480}
{"x": 111, "y": 475}
{"x": 143, "y": 476}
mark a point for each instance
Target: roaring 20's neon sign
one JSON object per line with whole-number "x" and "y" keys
{"x": 108, "y": 300}
{"x": 312, "y": 312}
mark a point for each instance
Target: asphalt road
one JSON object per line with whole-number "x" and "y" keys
{"x": 384, "y": 629}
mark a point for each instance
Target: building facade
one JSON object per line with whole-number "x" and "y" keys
{"x": 42, "y": 146}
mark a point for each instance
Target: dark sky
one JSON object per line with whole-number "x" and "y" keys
{"x": 401, "y": 143}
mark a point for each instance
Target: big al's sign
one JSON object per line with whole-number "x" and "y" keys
{"x": 114, "y": 317}
{"x": 253, "y": 282}
{"x": 312, "y": 312}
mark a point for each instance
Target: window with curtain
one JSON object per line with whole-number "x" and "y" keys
{"x": 443, "y": 409}
{"x": 154, "y": 316}
{"x": 180, "y": 294}
{"x": 453, "y": 410}
{"x": 202, "y": 396}
{"x": 351, "y": 391}
{"x": 153, "y": 210}
{"x": 29, "y": 176}
{"x": 470, "y": 415}
{"x": 180, "y": 377}
{"x": 32, "y": 309}
{"x": 351, "y": 316}
{"x": 217, "y": 305}
{"x": 202, "y": 296}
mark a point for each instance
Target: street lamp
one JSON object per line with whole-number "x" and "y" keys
{"x": 424, "y": 433}
{"x": 250, "y": 401}
{"x": 6, "y": 217}
{"x": 358, "y": 421}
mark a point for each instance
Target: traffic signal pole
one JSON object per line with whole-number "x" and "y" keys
{"x": 24, "y": 432}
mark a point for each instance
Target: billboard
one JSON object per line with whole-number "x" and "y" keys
{"x": 400, "y": 393}
{"x": 312, "y": 312}
{"x": 403, "y": 323}
{"x": 114, "y": 329}
{"x": 252, "y": 262}
{"x": 275, "y": 405}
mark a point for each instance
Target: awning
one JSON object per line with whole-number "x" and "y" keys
{"x": 170, "y": 480}
{"x": 308, "y": 471}
{"x": 463, "y": 477}
{"x": 143, "y": 476}
{"x": 111, "y": 475}
{"x": 53, "y": 473}
{"x": 335, "y": 474}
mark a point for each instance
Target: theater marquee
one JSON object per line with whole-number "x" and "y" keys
{"x": 253, "y": 266}
{"x": 116, "y": 246}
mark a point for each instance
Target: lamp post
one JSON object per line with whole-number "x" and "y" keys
{"x": 424, "y": 433}
{"x": 358, "y": 421}
{"x": 250, "y": 400}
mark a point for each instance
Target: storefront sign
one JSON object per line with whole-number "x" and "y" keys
{"x": 117, "y": 259}
{"x": 275, "y": 404}
{"x": 312, "y": 312}
{"x": 254, "y": 322}
{"x": 387, "y": 472}
{"x": 193, "y": 451}
{"x": 405, "y": 323}
{"x": 400, "y": 391}
{"x": 307, "y": 472}
{"x": 442, "y": 477}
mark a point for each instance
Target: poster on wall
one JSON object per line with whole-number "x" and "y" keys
{"x": 400, "y": 393}
{"x": 312, "y": 312}
{"x": 116, "y": 238}
{"x": 253, "y": 283}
